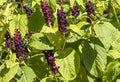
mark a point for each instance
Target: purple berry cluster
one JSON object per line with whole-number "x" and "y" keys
{"x": 106, "y": 12}
{"x": 47, "y": 13}
{"x": 62, "y": 21}
{"x": 29, "y": 12}
{"x": 75, "y": 11}
{"x": 90, "y": 8}
{"x": 21, "y": 50}
{"x": 50, "y": 60}
{"x": 9, "y": 43}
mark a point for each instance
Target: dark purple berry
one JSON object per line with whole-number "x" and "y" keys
{"x": 75, "y": 11}
{"x": 8, "y": 40}
{"x": 19, "y": 6}
{"x": 47, "y": 13}
{"x": 50, "y": 60}
{"x": 21, "y": 50}
{"x": 62, "y": 21}
{"x": 29, "y": 12}
{"x": 106, "y": 12}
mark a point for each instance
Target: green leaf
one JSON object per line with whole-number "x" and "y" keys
{"x": 11, "y": 72}
{"x": 72, "y": 37}
{"x": 76, "y": 29}
{"x": 72, "y": 2}
{"x": 114, "y": 54}
{"x": 36, "y": 22}
{"x": 111, "y": 72}
{"x": 94, "y": 57}
{"x": 69, "y": 63}
{"x": 28, "y": 74}
{"x": 56, "y": 39}
{"x": 40, "y": 42}
{"x": 46, "y": 79}
{"x": 2, "y": 1}
{"x": 116, "y": 41}
{"x": 19, "y": 22}
{"x": 118, "y": 1}
{"x": 38, "y": 66}
{"x": 80, "y": 2}
{"x": 2, "y": 33}
{"x": 104, "y": 33}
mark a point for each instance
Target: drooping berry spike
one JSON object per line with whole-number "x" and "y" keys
{"x": 62, "y": 21}
{"x": 106, "y": 12}
{"x": 21, "y": 50}
{"x": 90, "y": 8}
{"x": 75, "y": 11}
{"x": 8, "y": 41}
{"x": 47, "y": 13}
{"x": 29, "y": 12}
{"x": 51, "y": 61}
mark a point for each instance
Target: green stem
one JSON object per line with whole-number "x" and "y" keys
{"x": 74, "y": 20}
{"x": 92, "y": 30}
{"x": 64, "y": 41}
{"x": 56, "y": 78}
{"x": 114, "y": 11}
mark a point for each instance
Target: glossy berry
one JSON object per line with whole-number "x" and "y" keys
{"x": 47, "y": 13}
{"x": 21, "y": 50}
{"x": 90, "y": 8}
{"x": 50, "y": 60}
{"x": 19, "y": 6}
{"x": 29, "y": 12}
{"x": 8, "y": 40}
{"x": 75, "y": 11}
{"x": 62, "y": 22}
{"x": 106, "y": 12}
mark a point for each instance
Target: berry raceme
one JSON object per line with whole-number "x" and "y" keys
{"x": 90, "y": 11}
{"x": 47, "y": 13}
{"x": 29, "y": 12}
{"x": 50, "y": 60}
{"x": 62, "y": 21}
{"x": 75, "y": 11}
{"x": 8, "y": 41}
{"x": 90, "y": 8}
{"x": 21, "y": 50}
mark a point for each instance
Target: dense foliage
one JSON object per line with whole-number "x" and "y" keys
{"x": 59, "y": 40}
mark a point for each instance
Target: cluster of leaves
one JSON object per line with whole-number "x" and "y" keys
{"x": 66, "y": 41}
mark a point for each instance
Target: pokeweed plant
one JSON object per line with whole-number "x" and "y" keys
{"x": 59, "y": 41}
